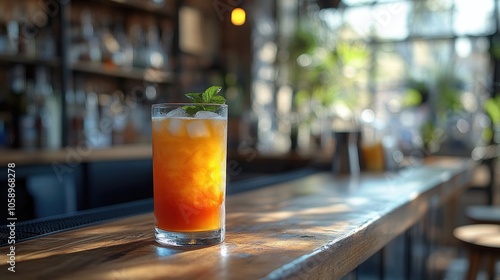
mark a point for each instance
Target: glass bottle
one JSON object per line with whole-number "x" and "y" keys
{"x": 109, "y": 44}
{"x": 46, "y": 46}
{"x": 155, "y": 54}
{"x": 78, "y": 123}
{"x": 28, "y": 129}
{"x": 125, "y": 55}
{"x": 4, "y": 40}
{"x": 48, "y": 117}
{"x": 13, "y": 30}
{"x": 17, "y": 103}
{"x": 139, "y": 45}
{"x": 28, "y": 30}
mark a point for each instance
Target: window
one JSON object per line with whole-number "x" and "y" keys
{"x": 442, "y": 45}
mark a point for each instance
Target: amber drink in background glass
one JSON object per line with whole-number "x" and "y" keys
{"x": 189, "y": 173}
{"x": 373, "y": 156}
{"x": 372, "y": 148}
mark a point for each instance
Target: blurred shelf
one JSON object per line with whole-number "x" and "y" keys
{"x": 149, "y": 75}
{"x": 61, "y": 156}
{"x": 249, "y": 159}
{"x": 149, "y": 6}
{"x": 32, "y": 60}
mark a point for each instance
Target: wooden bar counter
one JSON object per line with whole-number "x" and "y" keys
{"x": 318, "y": 227}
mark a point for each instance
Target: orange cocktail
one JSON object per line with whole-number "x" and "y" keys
{"x": 189, "y": 175}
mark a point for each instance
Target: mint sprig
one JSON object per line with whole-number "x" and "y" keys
{"x": 209, "y": 96}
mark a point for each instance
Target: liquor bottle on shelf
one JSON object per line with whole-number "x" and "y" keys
{"x": 48, "y": 121}
{"x": 29, "y": 120}
{"x": 166, "y": 37}
{"x": 155, "y": 55}
{"x": 13, "y": 30}
{"x": 80, "y": 33}
{"x": 40, "y": 115}
{"x": 76, "y": 113}
{"x": 109, "y": 44}
{"x": 4, "y": 39}
{"x": 46, "y": 45}
{"x": 28, "y": 29}
{"x": 124, "y": 56}
{"x": 139, "y": 115}
{"x": 87, "y": 41}
{"x": 139, "y": 44}
{"x": 97, "y": 121}
{"x": 70, "y": 99}
{"x": 91, "y": 120}
{"x": 119, "y": 117}
{"x": 17, "y": 104}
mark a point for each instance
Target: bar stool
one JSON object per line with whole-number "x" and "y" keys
{"x": 481, "y": 240}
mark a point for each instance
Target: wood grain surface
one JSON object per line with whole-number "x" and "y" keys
{"x": 318, "y": 227}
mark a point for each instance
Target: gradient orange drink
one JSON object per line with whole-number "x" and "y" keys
{"x": 189, "y": 175}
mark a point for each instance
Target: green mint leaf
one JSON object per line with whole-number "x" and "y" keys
{"x": 210, "y": 95}
{"x": 190, "y": 110}
{"x": 210, "y": 108}
{"x": 195, "y": 97}
{"x": 218, "y": 99}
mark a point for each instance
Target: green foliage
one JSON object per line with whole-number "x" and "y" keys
{"x": 495, "y": 48}
{"x": 412, "y": 98}
{"x": 432, "y": 136}
{"x": 303, "y": 42}
{"x": 492, "y": 108}
{"x": 448, "y": 94}
{"x": 322, "y": 80}
{"x": 417, "y": 93}
{"x": 355, "y": 55}
{"x": 209, "y": 96}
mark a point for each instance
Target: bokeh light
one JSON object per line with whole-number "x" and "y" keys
{"x": 238, "y": 16}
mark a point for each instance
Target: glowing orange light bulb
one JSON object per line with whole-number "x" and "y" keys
{"x": 238, "y": 16}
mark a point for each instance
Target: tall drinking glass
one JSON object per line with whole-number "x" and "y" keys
{"x": 189, "y": 173}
